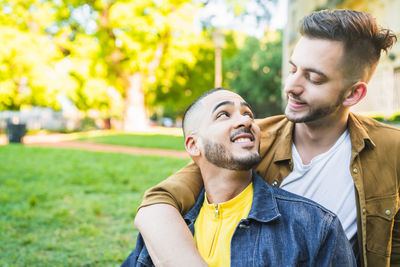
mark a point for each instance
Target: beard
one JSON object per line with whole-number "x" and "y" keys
{"x": 218, "y": 155}
{"x": 317, "y": 112}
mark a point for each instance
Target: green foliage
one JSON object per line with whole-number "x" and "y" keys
{"x": 139, "y": 140}
{"x": 379, "y": 118}
{"x": 177, "y": 87}
{"x": 98, "y": 45}
{"x": 89, "y": 51}
{"x": 61, "y": 207}
{"x": 255, "y": 73}
{"x": 395, "y": 118}
{"x": 153, "y": 38}
{"x": 182, "y": 84}
{"x": 27, "y": 75}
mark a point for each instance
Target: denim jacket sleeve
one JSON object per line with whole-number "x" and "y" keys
{"x": 139, "y": 257}
{"x": 335, "y": 249}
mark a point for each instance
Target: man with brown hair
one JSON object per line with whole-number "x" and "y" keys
{"x": 348, "y": 163}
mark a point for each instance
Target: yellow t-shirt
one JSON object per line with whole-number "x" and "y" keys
{"x": 215, "y": 225}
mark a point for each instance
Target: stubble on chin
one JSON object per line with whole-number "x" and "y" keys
{"x": 218, "y": 155}
{"x": 312, "y": 114}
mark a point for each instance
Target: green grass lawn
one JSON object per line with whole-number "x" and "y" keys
{"x": 138, "y": 140}
{"x": 61, "y": 207}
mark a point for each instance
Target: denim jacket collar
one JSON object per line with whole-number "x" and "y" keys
{"x": 263, "y": 209}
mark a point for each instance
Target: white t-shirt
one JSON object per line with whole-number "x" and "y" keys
{"x": 327, "y": 180}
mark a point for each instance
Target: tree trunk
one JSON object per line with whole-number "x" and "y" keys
{"x": 135, "y": 112}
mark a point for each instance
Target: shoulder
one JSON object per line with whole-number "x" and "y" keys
{"x": 374, "y": 127}
{"x": 274, "y": 131}
{"x": 286, "y": 198}
{"x": 287, "y": 202}
{"x": 273, "y": 124}
{"x": 305, "y": 215}
{"x": 381, "y": 137}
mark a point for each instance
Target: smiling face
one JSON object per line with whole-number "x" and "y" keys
{"x": 316, "y": 85}
{"x": 226, "y": 134}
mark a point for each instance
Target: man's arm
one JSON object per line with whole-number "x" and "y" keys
{"x": 179, "y": 190}
{"x": 167, "y": 237}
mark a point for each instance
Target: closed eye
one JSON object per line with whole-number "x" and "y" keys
{"x": 314, "y": 79}
{"x": 293, "y": 67}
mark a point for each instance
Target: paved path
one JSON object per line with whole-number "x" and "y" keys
{"x": 58, "y": 140}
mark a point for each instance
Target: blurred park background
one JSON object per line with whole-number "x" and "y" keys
{"x": 80, "y": 77}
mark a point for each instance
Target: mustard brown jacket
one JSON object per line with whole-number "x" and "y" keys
{"x": 375, "y": 168}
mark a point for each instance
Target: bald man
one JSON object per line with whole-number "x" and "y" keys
{"x": 238, "y": 219}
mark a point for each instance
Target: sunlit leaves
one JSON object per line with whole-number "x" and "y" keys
{"x": 26, "y": 62}
{"x": 88, "y": 50}
{"x": 255, "y": 73}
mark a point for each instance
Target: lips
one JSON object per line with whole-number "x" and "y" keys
{"x": 242, "y": 136}
{"x": 296, "y": 104}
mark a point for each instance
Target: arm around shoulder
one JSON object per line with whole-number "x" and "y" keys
{"x": 165, "y": 233}
{"x": 167, "y": 237}
{"x": 179, "y": 190}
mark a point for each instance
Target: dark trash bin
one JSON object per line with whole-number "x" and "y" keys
{"x": 15, "y": 132}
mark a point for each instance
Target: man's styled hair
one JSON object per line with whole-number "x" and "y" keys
{"x": 363, "y": 39}
{"x": 191, "y": 109}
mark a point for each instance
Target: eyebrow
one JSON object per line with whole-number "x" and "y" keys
{"x": 227, "y": 102}
{"x": 311, "y": 70}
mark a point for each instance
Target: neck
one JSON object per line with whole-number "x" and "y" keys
{"x": 222, "y": 185}
{"x": 316, "y": 137}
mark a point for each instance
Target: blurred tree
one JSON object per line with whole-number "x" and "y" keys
{"x": 112, "y": 48}
{"x": 181, "y": 85}
{"x": 28, "y": 60}
{"x": 26, "y": 75}
{"x": 131, "y": 38}
{"x": 255, "y": 73}
{"x": 108, "y": 55}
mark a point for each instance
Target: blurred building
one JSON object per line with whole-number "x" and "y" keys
{"x": 383, "y": 97}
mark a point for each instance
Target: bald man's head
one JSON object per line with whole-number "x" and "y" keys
{"x": 220, "y": 130}
{"x": 194, "y": 111}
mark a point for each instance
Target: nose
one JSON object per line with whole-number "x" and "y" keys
{"x": 294, "y": 84}
{"x": 243, "y": 120}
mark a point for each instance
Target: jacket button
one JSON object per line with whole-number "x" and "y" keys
{"x": 275, "y": 183}
{"x": 364, "y": 211}
{"x": 388, "y": 212}
{"x": 355, "y": 170}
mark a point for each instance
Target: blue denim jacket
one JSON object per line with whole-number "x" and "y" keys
{"x": 282, "y": 229}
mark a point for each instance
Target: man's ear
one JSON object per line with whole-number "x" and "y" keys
{"x": 191, "y": 146}
{"x": 355, "y": 94}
